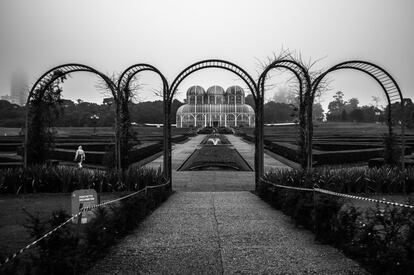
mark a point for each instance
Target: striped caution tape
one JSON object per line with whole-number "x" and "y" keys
{"x": 324, "y": 191}
{"x": 287, "y": 187}
{"x": 362, "y": 198}
{"x": 12, "y": 257}
{"x": 124, "y": 197}
{"x": 8, "y": 259}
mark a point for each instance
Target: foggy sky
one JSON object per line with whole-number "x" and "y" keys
{"x": 112, "y": 35}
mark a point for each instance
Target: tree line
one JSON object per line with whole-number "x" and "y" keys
{"x": 279, "y": 109}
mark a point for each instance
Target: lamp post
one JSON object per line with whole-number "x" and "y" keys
{"x": 95, "y": 119}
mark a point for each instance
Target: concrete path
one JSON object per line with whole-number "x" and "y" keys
{"x": 214, "y": 180}
{"x": 221, "y": 233}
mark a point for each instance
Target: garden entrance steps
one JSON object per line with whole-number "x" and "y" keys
{"x": 221, "y": 233}
{"x": 196, "y": 181}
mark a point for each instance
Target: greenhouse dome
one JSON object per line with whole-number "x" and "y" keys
{"x": 215, "y": 107}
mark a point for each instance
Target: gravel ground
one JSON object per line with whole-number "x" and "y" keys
{"x": 222, "y": 233}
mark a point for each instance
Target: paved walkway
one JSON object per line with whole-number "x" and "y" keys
{"x": 221, "y": 233}
{"x": 214, "y": 180}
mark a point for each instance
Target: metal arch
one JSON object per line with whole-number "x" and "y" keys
{"x": 204, "y": 64}
{"x": 53, "y": 74}
{"x": 123, "y": 85}
{"x": 214, "y": 63}
{"x": 44, "y": 82}
{"x": 382, "y": 77}
{"x": 129, "y": 73}
{"x": 303, "y": 77}
{"x": 298, "y": 70}
{"x": 386, "y": 81}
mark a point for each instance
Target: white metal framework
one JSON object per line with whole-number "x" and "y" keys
{"x": 215, "y": 107}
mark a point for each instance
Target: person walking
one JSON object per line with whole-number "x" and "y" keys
{"x": 79, "y": 156}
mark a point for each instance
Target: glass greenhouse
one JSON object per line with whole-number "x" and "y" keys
{"x": 215, "y": 107}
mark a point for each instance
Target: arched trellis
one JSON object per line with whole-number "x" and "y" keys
{"x": 302, "y": 75}
{"x": 384, "y": 79}
{"x": 124, "y": 87}
{"x": 46, "y": 80}
{"x": 218, "y": 64}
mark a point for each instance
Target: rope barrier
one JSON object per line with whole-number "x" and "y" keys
{"x": 12, "y": 257}
{"x": 362, "y": 198}
{"x": 287, "y": 187}
{"x": 324, "y": 191}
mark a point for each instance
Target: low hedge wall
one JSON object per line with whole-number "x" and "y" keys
{"x": 384, "y": 180}
{"x": 346, "y": 156}
{"x": 287, "y": 150}
{"x": 9, "y": 147}
{"x": 56, "y": 179}
{"x": 67, "y": 252}
{"x": 90, "y": 146}
{"x": 381, "y": 239}
{"x": 136, "y": 155}
{"x": 178, "y": 138}
{"x": 92, "y": 157}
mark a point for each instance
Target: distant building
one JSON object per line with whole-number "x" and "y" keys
{"x": 215, "y": 107}
{"x": 19, "y": 88}
{"x": 5, "y": 97}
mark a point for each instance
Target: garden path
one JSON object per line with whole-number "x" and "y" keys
{"x": 221, "y": 233}
{"x": 214, "y": 180}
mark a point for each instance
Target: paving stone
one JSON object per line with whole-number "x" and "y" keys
{"x": 255, "y": 239}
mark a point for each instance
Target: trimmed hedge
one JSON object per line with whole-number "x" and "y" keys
{"x": 381, "y": 239}
{"x": 9, "y": 147}
{"x": 136, "y": 155}
{"x": 67, "y": 252}
{"x": 291, "y": 152}
{"x": 55, "y": 179}
{"x": 385, "y": 180}
{"x": 92, "y": 157}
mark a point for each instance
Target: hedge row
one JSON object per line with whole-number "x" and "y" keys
{"x": 92, "y": 157}
{"x": 381, "y": 239}
{"x": 384, "y": 180}
{"x": 291, "y": 152}
{"x": 55, "y": 179}
{"x": 9, "y": 147}
{"x": 67, "y": 252}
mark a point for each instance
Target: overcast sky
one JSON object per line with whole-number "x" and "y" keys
{"x": 112, "y": 35}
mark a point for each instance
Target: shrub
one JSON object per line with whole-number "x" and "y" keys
{"x": 349, "y": 180}
{"x": 72, "y": 250}
{"x": 392, "y": 152}
{"x": 381, "y": 239}
{"x": 51, "y": 179}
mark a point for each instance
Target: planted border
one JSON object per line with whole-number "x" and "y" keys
{"x": 380, "y": 238}
{"x": 69, "y": 251}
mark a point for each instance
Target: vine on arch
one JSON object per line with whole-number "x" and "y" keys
{"x": 126, "y": 92}
{"x": 42, "y": 99}
{"x": 293, "y": 63}
{"x": 42, "y": 112}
